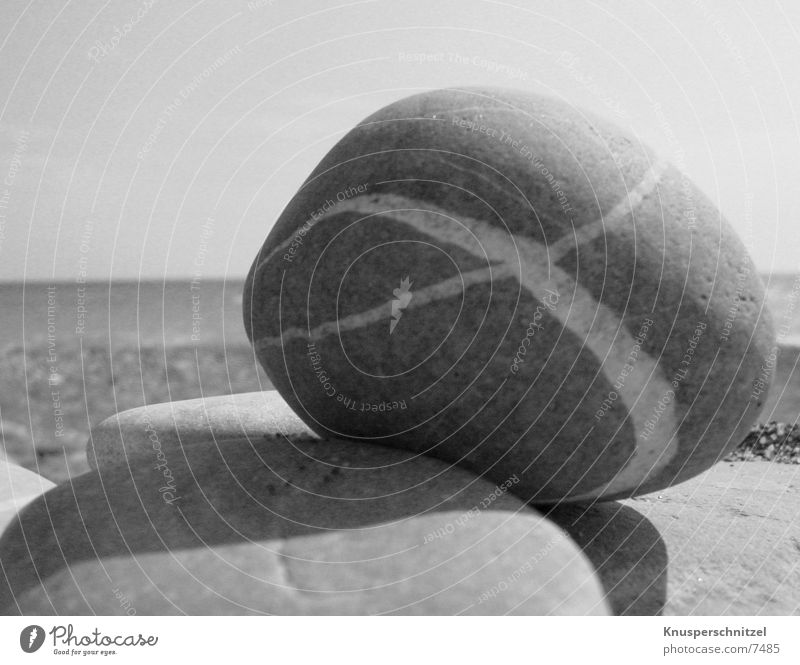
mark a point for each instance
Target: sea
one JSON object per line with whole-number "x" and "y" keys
{"x": 123, "y": 313}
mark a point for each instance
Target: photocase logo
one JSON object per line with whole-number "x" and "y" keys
{"x": 31, "y": 638}
{"x": 402, "y": 296}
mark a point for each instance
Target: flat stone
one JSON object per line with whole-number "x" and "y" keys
{"x": 18, "y": 487}
{"x": 626, "y": 550}
{"x": 733, "y": 540}
{"x": 168, "y": 426}
{"x": 290, "y": 527}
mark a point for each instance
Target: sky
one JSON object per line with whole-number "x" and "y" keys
{"x": 152, "y": 139}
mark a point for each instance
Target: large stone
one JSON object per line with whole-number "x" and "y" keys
{"x": 733, "y": 540}
{"x": 506, "y": 282}
{"x": 144, "y": 431}
{"x": 18, "y": 487}
{"x": 626, "y": 550}
{"x": 300, "y": 527}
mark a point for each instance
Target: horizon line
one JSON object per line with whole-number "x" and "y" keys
{"x": 120, "y": 280}
{"x": 189, "y": 279}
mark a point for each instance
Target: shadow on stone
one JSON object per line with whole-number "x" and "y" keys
{"x": 280, "y": 527}
{"x": 627, "y": 551}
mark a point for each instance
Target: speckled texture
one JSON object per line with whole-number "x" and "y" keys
{"x": 488, "y": 201}
{"x": 141, "y": 432}
{"x": 733, "y": 540}
{"x": 310, "y": 527}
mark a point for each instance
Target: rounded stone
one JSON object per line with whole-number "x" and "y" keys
{"x": 279, "y": 527}
{"x": 502, "y": 281}
{"x": 18, "y": 487}
{"x": 145, "y": 431}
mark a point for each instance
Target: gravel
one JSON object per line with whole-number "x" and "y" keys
{"x": 770, "y": 442}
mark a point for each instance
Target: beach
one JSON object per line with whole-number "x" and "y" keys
{"x": 74, "y": 354}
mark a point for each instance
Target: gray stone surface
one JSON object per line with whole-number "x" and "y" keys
{"x": 627, "y": 551}
{"x": 587, "y": 235}
{"x": 302, "y": 527}
{"x": 18, "y": 487}
{"x": 142, "y": 431}
{"x": 733, "y": 540}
